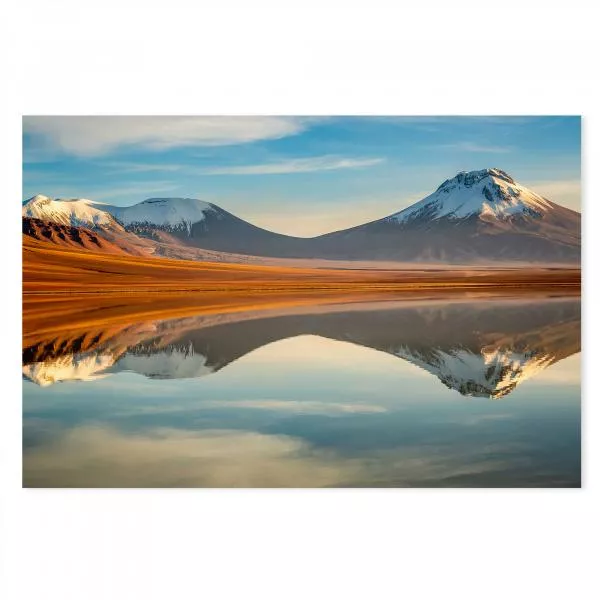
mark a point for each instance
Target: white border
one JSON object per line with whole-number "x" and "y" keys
{"x": 125, "y": 57}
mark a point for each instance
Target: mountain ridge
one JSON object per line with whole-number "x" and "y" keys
{"x": 477, "y": 215}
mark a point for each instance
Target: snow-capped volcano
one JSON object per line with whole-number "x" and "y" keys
{"x": 174, "y": 213}
{"x": 76, "y": 212}
{"x": 489, "y": 193}
{"x": 481, "y": 216}
{"x": 184, "y": 221}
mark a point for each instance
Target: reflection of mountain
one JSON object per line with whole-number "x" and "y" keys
{"x": 492, "y": 374}
{"x": 173, "y": 362}
{"x": 479, "y": 349}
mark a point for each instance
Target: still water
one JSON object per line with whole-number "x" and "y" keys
{"x": 390, "y": 394}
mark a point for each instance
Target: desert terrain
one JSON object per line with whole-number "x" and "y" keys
{"x": 65, "y": 287}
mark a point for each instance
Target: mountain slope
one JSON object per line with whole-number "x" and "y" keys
{"x": 473, "y": 217}
{"x": 477, "y": 217}
{"x": 85, "y": 238}
{"x": 204, "y": 225}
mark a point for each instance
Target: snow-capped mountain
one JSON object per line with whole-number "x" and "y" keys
{"x": 185, "y": 221}
{"x": 487, "y": 194}
{"x": 78, "y": 212}
{"x": 175, "y": 214}
{"x": 203, "y": 225}
{"x": 475, "y": 217}
{"x": 479, "y": 216}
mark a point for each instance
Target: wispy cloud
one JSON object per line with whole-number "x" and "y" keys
{"x": 131, "y": 167}
{"x": 88, "y": 136}
{"x": 295, "y": 165}
{"x": 476, "y": 147}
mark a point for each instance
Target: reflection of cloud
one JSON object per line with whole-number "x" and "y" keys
{"x": 96, "y": 457}
{"x": 301, "y": 407}
{"x": 298, "y": 406}
{"x": 101, "y": 457}
{"x": 476, "y": 420}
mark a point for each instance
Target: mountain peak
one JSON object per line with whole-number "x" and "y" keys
{"x": 471, "y": 178}
{"x": 488, "y": 193}
{"x": 75, "y": 211}
{"x": 38, "y": 198}
{"x": 172, "y": 200}
{"x": 171, "y": 213}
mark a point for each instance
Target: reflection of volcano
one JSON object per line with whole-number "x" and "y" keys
{"x": 491, "y": 374}
{"x": 477, "y": 348}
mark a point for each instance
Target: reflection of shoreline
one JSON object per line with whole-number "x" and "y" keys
{"x": 51, "y": 314}
{"x": 477, "y": 348}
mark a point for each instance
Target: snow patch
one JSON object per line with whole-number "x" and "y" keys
{"x": 76, "y": 212}
{"x": 176, "y": 213}
{"x": 489, "y": 193}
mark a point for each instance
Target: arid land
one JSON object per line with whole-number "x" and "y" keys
{"x": 64, "y": 288}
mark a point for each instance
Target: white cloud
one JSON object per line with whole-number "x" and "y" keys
{"x": 295, "y": 165}
{"x": 132, "y": 167}
{"x": 95, "y": 135}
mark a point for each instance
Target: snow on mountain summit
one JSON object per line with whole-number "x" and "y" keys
{"x": 178, "y": 213}
{"x": 173, "y": 213}
{"x": 488, "y": 193}
{"x": 75, "y": 212}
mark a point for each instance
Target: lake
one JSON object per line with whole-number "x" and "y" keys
{"x": 436, "y": 393}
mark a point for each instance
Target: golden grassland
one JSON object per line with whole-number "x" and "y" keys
{"x": 62, "y": 286}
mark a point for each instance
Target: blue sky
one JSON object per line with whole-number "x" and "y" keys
{"x": 296, "y": 175}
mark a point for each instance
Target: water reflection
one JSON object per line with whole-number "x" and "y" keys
{"x": 304, "y": 400}
{"x": 483, "y": 349}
